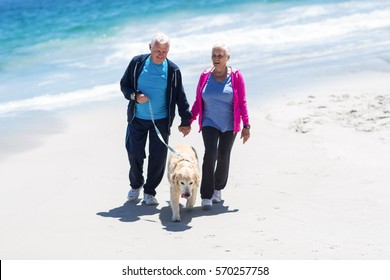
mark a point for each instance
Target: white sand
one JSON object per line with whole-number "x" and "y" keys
{"x": 311, "y": 183}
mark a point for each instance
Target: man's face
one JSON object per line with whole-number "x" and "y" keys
{"x": 159, "y": 52}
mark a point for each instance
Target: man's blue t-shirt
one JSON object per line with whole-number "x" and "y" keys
{"x": 153, "y": 83}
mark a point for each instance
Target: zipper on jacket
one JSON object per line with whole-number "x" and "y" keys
{"x": 135, "y": 86}
{"x": 135, "y": 75}
{"x": 170, "y": 100}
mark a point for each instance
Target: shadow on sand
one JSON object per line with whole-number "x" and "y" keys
{"x": 132, "y": 211}
{"x": 187, "y": 215}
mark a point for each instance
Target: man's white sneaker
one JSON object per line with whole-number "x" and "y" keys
{"x": 133, "y": 194}
{"x": 150, "y": 199}
{"x": 217, "y": 196}
{"x": 207, "y": 203}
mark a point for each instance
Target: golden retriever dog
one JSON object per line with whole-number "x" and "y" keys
{"x": 184, "y": 178}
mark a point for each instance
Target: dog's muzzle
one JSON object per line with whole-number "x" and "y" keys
{"x": 185, "y": 195}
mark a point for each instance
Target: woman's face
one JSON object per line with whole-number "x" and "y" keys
{"x": 219, "y": 58}
{"x": 159, "y": 52}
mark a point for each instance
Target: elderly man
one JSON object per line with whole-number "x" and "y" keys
{"x": 153, "y": 85}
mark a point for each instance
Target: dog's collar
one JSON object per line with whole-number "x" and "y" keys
{"x": 184, "y": 159}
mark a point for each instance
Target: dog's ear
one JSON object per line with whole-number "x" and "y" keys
{"x": 196, "y": 175}
{"x": 197, "y": 179}
{"x": 173, "y": 177}
{"x": 174, "y": 165}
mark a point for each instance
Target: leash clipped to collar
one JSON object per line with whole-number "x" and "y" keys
{"x": 160, "y": 136}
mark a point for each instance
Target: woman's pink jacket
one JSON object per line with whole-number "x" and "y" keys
{"x": 240, "y": 109}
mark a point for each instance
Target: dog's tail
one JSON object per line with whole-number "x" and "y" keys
{"x": 196, "y": 154}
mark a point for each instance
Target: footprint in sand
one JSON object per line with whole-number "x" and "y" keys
{"x": 364, "y": 113}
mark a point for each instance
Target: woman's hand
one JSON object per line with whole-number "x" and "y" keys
{"x": 245, "y": 135}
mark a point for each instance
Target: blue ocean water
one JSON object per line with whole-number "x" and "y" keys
{"x": 60, "y": 52}
{"x": 53, "y": 46}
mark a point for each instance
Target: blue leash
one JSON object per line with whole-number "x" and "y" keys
{"x": 160, "y": 136}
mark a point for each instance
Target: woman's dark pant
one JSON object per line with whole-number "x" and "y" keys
{"x": 216, "y": 160}
{"x": 136, "y": 136}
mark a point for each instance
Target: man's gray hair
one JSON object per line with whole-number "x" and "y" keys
{"x": 160, "y": 38}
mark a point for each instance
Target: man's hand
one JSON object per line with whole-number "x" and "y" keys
{"x": 185, "y": 130}
{"x": 141, "y": 98}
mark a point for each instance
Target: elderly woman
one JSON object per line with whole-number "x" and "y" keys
{"x": 221, "y": 106}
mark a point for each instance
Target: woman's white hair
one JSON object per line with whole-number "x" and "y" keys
{"x": 160, "y": 38}
{"x": 222, "y": 46}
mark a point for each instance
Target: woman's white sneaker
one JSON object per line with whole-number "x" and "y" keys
{"x": 217, "y": 196}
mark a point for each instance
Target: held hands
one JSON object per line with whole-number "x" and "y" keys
{"x": 185, "y": 130}
{"x": 245, "y": 135}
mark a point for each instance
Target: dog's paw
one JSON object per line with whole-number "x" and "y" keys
{"x": 176, "y": 219}
{"x": 190, "y": 204}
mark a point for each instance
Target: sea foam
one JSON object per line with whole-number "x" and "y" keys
{"x": 268, "y": 42}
